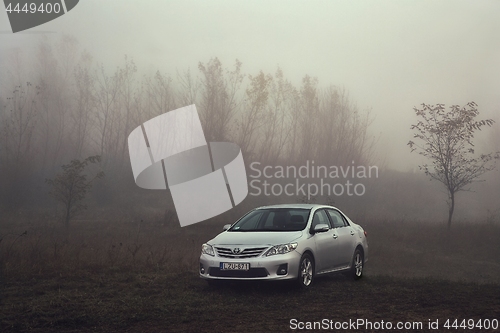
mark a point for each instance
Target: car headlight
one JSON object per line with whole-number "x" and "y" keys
{"x": 281, "y": 249}
{"x": 208, "y": 249}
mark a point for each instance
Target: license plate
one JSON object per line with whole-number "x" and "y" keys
{"x": 229, "y": 266}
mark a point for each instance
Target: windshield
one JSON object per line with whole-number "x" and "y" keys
{"x": 273, "y": 219}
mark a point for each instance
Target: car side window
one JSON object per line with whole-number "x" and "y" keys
{"x": 320, "y": 218}
{"x": 346, "y": 223}
{"x": 337, "y": 219}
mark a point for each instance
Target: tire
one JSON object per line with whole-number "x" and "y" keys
{"x": 306, "y": 271}
{"x": 358, "y": 264}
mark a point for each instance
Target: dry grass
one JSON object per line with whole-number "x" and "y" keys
{"x": 142, "y": 276}
{"x": 467, "y": 252}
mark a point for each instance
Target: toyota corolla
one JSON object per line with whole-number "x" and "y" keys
{"x": 286, "y": 242}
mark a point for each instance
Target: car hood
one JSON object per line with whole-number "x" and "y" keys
{"x": 255, "y": 238}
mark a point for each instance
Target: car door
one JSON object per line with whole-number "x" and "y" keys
{"x": 325, "y": 245}
{"x": 344, "y": 237}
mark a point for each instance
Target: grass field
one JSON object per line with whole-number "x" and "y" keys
{"x": 105, "y": 276}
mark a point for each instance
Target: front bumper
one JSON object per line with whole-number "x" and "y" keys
{"x": 261, "y": 268}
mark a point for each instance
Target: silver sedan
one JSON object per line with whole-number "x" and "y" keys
{"x": 286, "y": 242}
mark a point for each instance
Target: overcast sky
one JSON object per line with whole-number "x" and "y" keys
{"x": 389, "y": 55}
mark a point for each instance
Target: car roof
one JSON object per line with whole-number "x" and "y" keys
{"x": 297, "y": 205}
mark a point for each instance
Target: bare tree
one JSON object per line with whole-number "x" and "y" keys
{"x": 19, "y": 124}
{"x": 18, "y": 68}
{"x": 445, "y": 137}
{"x": 81, "y": 119}
{"x": 67, "y": 53}
{"x": 17, "y": 138}
{"x": 342, "y": 129}
{"x": 334, "y": 126}
{"x": 278, "y": 121}
{"x": 219, "y": 98}
{"x": 55, "y": 65}
{"x": 127, "y": 90}
{"x": 188, "y": 88}
{"x": 83, "y": 109}
{"x": 106, "y": 112}
{"x": 156, "y": 95}
{"x": 71, "y": 186}
{"x": 50, "y": 121}
{"x": 253, "y": 116}
{"x": 309, "y": 119}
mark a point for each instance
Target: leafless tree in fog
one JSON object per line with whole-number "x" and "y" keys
{"x": 188, "y": 88}
{"x": 219, "y": 98}
{"x": 254, "y": 108}
{"x": 343, "y": 129}
{"x": 127, "y": 105}
{"x": 19, "y": 125}
{"x": 81, "y": 119}
{"x": 160, "y": 95}
{"x": 83, "y": 108}
{"x": 278, "y": 120}
{"x": 106, "y": 112}
{"x": 55, "y": 88}
{"x": 71, "y": 186}
{"x": 309, "y": 120}
{"x": 445, "y": 137}
{"x": 17, "y": 137}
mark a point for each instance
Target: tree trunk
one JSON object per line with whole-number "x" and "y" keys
{"x": 68, "y": 214}
{"x": 452, "y": 207}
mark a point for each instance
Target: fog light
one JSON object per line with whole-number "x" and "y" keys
{"x": 202, "y": 269}
{"x": 282, "y": 269}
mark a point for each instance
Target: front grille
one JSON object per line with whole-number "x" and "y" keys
{"x": 251, "y": 273}
{"x": 253, "y": 252}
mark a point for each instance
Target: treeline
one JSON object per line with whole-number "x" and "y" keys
{"x": 59, "y": 104}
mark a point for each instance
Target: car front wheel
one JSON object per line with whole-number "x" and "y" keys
{"x": 306, "y": 271}
{"x": 357, "y": 265}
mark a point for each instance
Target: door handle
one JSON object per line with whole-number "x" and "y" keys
{"x": 352, "y": 233}
{"x": 335, "y": 236}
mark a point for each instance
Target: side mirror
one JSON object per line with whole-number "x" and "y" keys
{"x": 225, "y": 227}
{"x": 322, "y": 227}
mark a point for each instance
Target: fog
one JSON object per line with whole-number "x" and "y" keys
{"x": 313, "y": 99}
{"x": 387, "y": 57}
